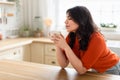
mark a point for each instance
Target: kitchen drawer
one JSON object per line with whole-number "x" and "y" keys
{"x": 50, "y": 49}
{"x": 51, "y": 60}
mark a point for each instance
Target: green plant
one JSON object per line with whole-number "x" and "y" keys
{"x": 108, "y": 25}
{"x": 26, "y": 29}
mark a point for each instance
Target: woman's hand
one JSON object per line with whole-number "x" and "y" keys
{"x": 60, "y": 44}
{"x": 59, "y": 41}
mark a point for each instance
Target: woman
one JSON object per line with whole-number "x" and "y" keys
{"x": 84, "y": 47}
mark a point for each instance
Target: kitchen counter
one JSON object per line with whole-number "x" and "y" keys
{"x": 21, "y": 70}
{"x": 11, "y": 43}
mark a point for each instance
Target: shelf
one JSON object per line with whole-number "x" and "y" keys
{"x": 7, "y": 3}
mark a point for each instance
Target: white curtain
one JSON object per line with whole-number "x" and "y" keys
{"x": 31, "y": 8}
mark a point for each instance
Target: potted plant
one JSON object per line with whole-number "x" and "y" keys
{"x": 38, "y": 33}
{"x": 108, "y": 27}
{"x": 26, "y": 32}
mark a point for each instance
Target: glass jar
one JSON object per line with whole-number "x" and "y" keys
{"x": 37, "y": 26}
{"x": 37, "y": 23}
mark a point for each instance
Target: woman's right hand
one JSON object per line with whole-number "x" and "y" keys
{"x": 59, "y": 41}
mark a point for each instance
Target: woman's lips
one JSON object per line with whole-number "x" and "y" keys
{"x": 67, "y": 26}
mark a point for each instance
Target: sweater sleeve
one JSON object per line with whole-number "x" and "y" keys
{"x": 67, "y": 39}
{"x": 95, "y": 49}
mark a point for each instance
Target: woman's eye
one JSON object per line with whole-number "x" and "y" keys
{"x": 69, "y": 18}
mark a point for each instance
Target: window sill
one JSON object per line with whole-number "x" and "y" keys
{"x": 111, "y": 35}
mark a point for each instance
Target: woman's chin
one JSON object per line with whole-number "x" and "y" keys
{"x": 68, "y": 30}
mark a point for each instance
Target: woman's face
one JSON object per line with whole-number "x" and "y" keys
{"x": 71, "y": 26}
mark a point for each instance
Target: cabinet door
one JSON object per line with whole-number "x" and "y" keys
{"x": 18, "y": 53}
{"x": 14, "y": 53}
{"x": 26, "y": 52}
{"x": 37, "y": 52}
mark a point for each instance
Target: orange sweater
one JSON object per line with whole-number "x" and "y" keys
{"x": 97, "y": 56}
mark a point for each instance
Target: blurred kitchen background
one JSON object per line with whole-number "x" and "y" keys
{"x": 35, "y": 18}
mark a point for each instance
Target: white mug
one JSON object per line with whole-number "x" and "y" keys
{"x": 52, "y": 33}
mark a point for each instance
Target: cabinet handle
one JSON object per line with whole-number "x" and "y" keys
{"x": 53, "y": 62}
{"x": 53, "y": 49}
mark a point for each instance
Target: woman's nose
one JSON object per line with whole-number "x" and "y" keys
{"x": 65, "y": 21}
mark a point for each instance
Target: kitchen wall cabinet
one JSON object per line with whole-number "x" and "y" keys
{"x": 17, "y": 53}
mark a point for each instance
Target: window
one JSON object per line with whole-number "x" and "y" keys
{"x": 103, "y": 11}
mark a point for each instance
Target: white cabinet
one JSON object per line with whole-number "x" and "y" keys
{"x": 17, "y": 53}
{"x": 37, "y": 52}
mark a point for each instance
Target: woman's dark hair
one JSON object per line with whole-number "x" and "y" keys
{"x": 83, "y": 18}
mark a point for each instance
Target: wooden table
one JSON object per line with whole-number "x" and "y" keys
{"x": 20, "y": 70}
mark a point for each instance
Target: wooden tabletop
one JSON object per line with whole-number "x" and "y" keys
{"x": 20, "y": 70}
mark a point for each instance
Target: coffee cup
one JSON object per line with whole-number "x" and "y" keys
{"x": 54, "y": 33}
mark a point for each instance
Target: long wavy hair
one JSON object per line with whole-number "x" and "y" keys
{"x": 81, "y": 15}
